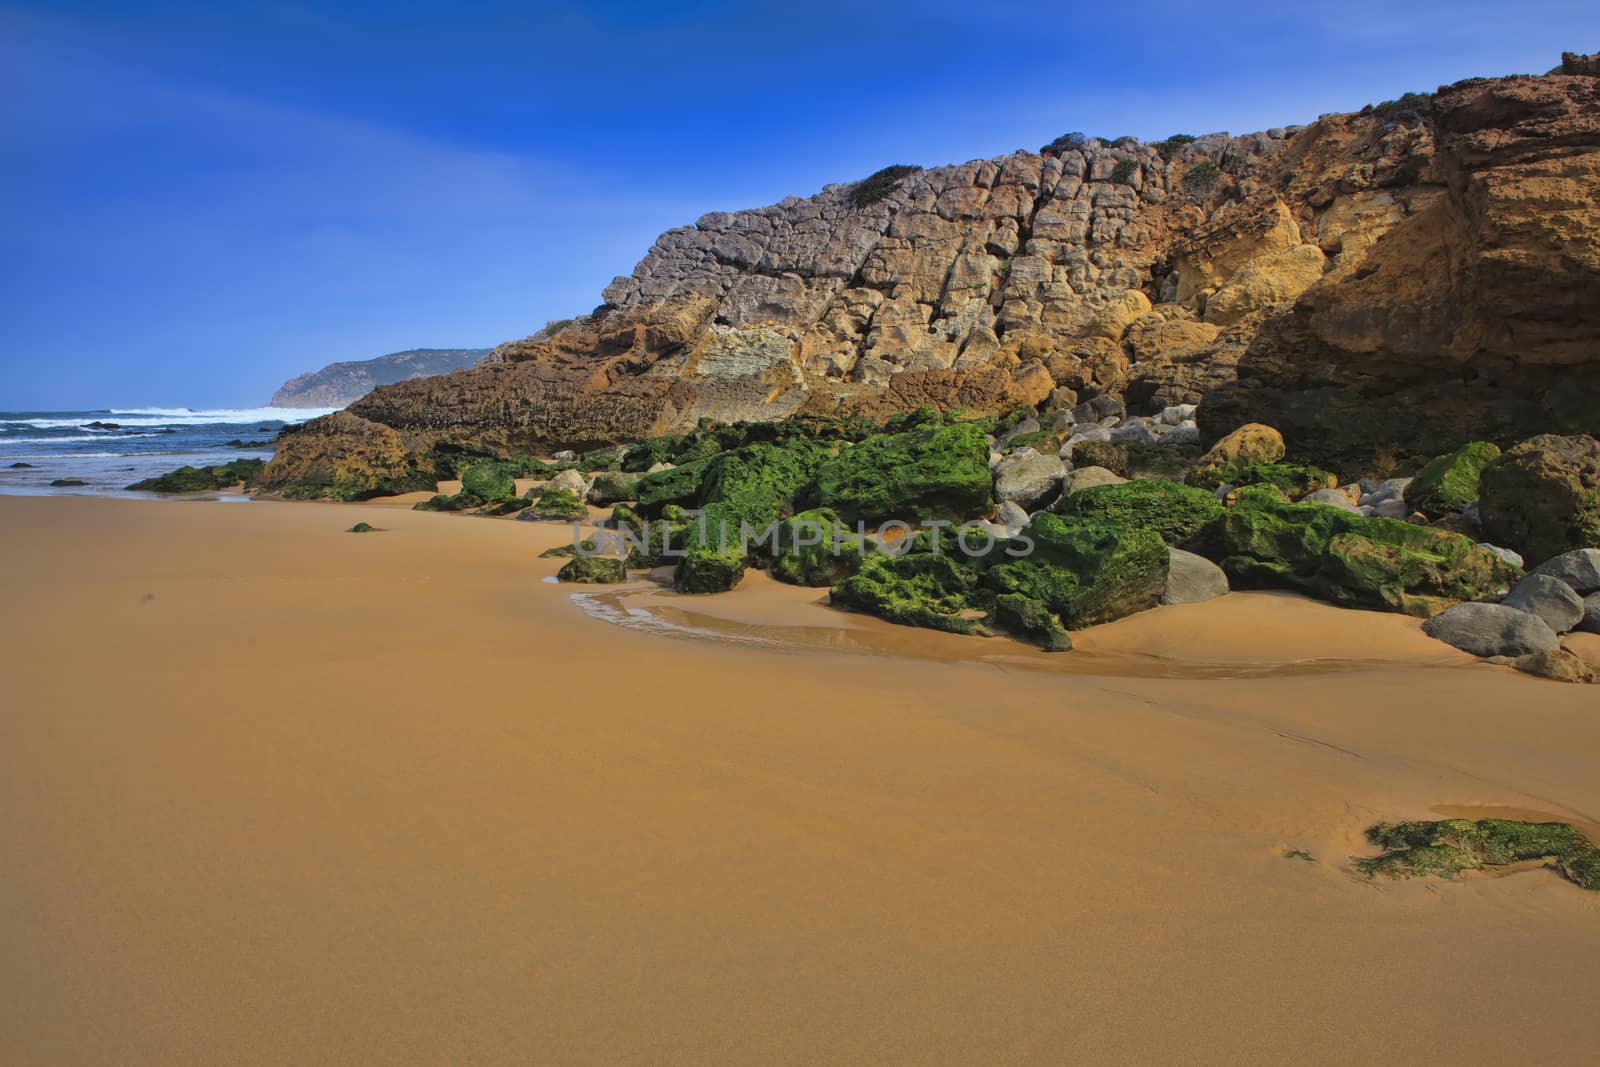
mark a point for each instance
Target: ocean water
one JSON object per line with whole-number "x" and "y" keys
{"x": 139, "y": 443}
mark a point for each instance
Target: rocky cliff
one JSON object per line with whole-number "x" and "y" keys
{"x": 338, "y": 384}
{"x": 1405, "y": 278}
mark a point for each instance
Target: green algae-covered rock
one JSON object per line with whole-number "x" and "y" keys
{"x": 1293, "y": 480}
{"x": 1542, "y": 497}
{"x": 679, "y": 485}
{"x": 1077, "y": 574}
{"x": 592, "y": 570}
{"x": 1449, "y": 483}
{"x": 816, "y": 548}
{"x": 462, "y": 501}
{"x": 1084, "y": 572}
{"x": 927, "y": 472}
{"x": 1177, "y": 513}
{"x": 612, "y": 487}
{"x": 708, "y": 569}
{"x": 1353, "y": 560}
{"x": 1451, "y": 846}
{"x": 201, "y": 479}
{"x": 508, "y": 506}
{"x": 754, "y": 484}
{"x": 916, "y": 589}
{"x": 556, "y": 504}
{"x": 490, "y": 481}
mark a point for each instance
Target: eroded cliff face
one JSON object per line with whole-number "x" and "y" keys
{"x": 1411, "y": 276}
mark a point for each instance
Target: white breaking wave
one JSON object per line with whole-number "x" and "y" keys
{"x": 179, "y": 417}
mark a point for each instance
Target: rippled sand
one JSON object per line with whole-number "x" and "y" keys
{"x": 274, "y": 793}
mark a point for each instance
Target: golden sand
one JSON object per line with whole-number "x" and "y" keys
{"x": 275, "y": 793}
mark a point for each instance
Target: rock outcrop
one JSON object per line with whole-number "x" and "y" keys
{"x": 1410, "y": 277}
{"x": 338, "y": 384}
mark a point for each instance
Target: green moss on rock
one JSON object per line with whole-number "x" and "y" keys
{"x": 592, "y": 570}
{"x": 1449, "y": 483}
{"x": 1451, "y": 846}
{"x": 490, "y": 481}
{"x": 1356, "y": 561}
{"x": 916, "y": 589}
{"x": 1085, "y": 572}
{"x": 1293, "y": 480}
{"x": 1177, "y": 513}
{"x": 202, "y": 479}
{"x": 557, "y": 504}
{"x": 815, "y": 548}
{"x": 929, "y": 472}
{"x": 707, "y": 569}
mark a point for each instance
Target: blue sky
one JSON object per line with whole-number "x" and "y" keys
{"x": 199, "y": 202}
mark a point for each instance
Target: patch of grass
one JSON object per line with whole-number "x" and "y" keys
{"x": 1124, "y": 170}
{"x": 1410, "y": 109}
{"x": 1451, "y": 846}
{"x": 875, "y": 187}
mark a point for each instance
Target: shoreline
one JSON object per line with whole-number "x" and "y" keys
{"x": 278, "y": 792}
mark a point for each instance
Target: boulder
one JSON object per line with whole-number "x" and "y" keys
{"x": 1192, "y": 579}
{"x": 1089, "y": 477}
{"x": 1027, "y": 478}
{"x": 592, "y": 570}
{"x": 1543, "y": 496}
{"x": 1353, "y": 560}
{"x": 613, "y": 487}
{"x": 565, "y": 456}
{"x": 1450, "y": 482}
{"x": 1176, "y": 513}
{"x": 1178, "y": 414}
{"x": 1331, "y": 498}
{"x": 1133, "y": 430}
{"x": 1513, "y": 558}
{"x": 1009, "y": 513}
{"x": 1185, "y": 434}
{"x": 1491, "y": 630}
{"x": 1549, "y": 598}
{"x": 707, "y": 569}
{"x": 1591, "y": 614}
{"x": 569, "y": 480}
{"x": 1251, "y": 443}
{"x": 1579, "y": 569}
{"x": 928, "y": 472}
{"x": 1086, "y": 573}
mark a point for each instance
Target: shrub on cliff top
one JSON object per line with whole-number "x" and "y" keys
{"x": 1124, "y": 169}
{"x": 875, "y": 187}
{"x": 1169, "y": 148}
{"x": 1065, "y": 143}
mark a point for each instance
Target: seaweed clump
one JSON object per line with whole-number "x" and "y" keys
{"x": 1451, "y": 846}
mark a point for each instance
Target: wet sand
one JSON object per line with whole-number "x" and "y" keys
{"x": 275, "y": 793}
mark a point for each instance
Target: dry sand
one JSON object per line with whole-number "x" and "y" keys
{"x": 274, "y": 793}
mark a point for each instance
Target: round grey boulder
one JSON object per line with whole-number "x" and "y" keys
{"x": 1010, "y": 513}
{"x": 1491, "y": 630}
{"x": 1513, "y": 558}
{"x": 1185, "y": 434}
{"x": 1133, "y": 430}
{"x": 1331, "y": 498}
{"x": 1549, "y": 598}
{"x": 1192, "y": 579}
{"x": 1591, "y": 614}
{"x": 1027, "y": 479}
{"x": 1579, "y": 569}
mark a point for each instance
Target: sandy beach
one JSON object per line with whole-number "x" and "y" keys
{"x": 275, "y": 793}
